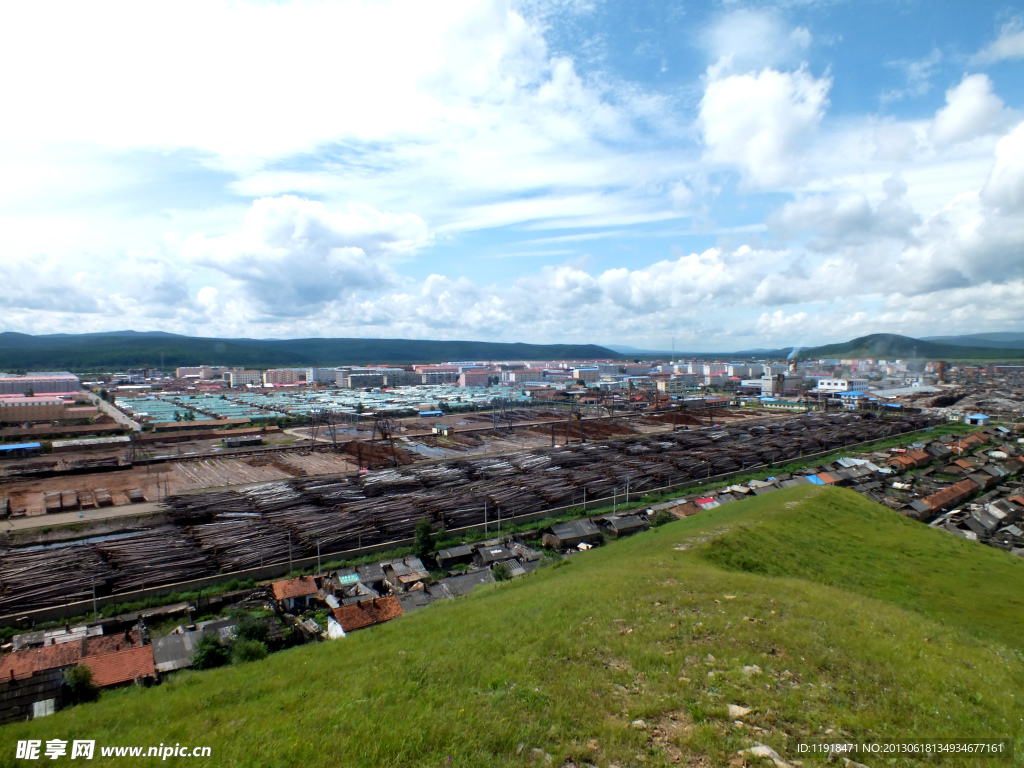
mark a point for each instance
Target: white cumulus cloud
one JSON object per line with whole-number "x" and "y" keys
{"x": 971, "y": 110}
{"x": 759, "y": 122}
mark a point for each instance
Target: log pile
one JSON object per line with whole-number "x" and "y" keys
{"x": 231, "y": 530}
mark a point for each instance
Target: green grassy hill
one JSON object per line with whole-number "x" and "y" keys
{"x": 826, "y": 615}
{"x": 892, "y": 346}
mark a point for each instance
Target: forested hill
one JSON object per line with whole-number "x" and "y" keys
{"x": 108, "y": 351}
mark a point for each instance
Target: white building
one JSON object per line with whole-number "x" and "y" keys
{"x": 831, "y": 386}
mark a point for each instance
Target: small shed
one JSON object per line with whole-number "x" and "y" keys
{"x": 442, "y": 429}
{"x": 977, "y": 419}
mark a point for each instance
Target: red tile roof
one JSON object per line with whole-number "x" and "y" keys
{"x": 22, "y": 664}
{"x": 366, "y": 613}
{"x": 951, "y": 495}
{"x": 300, "y": 587}
{"x": 121, "y": 666}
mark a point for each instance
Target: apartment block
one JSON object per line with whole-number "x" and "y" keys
{"x": 244, "y": 378}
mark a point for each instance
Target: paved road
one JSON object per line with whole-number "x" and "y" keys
{"x": 117, "y": 415}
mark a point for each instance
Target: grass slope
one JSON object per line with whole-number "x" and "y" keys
{"x": 104, "y": 351}
{"x": 859, "y": 622}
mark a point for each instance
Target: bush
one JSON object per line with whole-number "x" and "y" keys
{"x": 209, "y": 653}
{"x": 79, "y": 682}
{"x": 247, "y": 650}
{"x": 501, "y": 572}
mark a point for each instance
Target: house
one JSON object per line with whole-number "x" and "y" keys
{"x": 486, "y": 556}
{"x": 372, "y": 575}
{"x": 572, "y": 534}
{"x": 290, "y": 593}
{"x": 977, "y": 419}
{"x": 618, "y": 526}
{"x": 366, "y": 613}
{"x": 912, "y": 459}
{"x": 131, "y": 665}
{"x": 464, "y": 584}
{"x": 939, "y": 451}
{"x": 950, "y": 496}
{"x": 404, "y": 574}
{"x": 442, "y": 429}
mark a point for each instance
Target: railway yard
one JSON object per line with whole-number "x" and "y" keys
{"x": 227, "y": 513}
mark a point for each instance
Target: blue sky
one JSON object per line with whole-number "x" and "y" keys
{"x": 727, "y": 174}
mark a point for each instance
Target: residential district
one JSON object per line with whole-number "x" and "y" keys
{"x": 184, "y": 520}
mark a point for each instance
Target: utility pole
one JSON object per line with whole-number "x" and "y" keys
{"x": 289, "y": 551}
{"x": 318, "y": 556}
{"x": 485, "y": 517}
{"x": 95, "y": 610}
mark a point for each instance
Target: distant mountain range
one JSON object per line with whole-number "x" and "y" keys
{"x": 119, "y": 350}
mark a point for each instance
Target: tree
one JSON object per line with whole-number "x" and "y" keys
{"x": 79, "y": 682}
{"x": 177, "y": 415}
{"x": 209, "y": 653}
{"x": 30, "y": 392}
{"x": 423, "y": 540}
